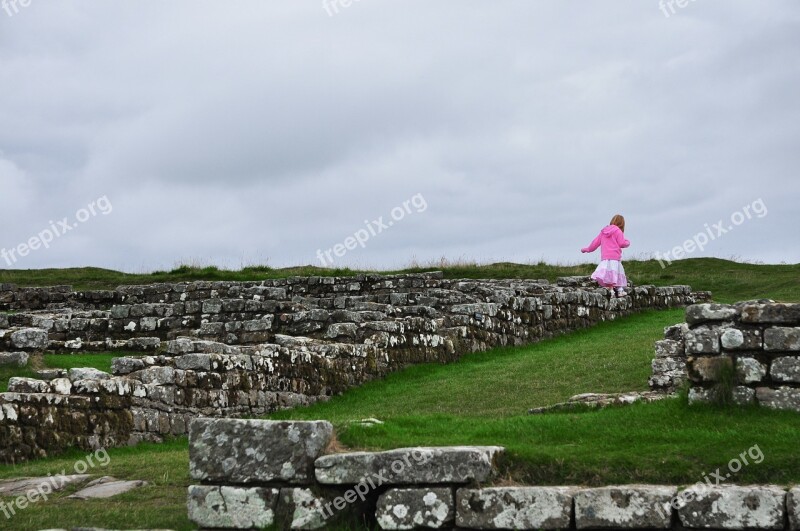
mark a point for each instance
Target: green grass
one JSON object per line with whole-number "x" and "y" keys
{"x": 730, "y": 281}
{"x": 159, "y": 505}
{"x": 101, "y": 361}
{"x": 610, "y": 357}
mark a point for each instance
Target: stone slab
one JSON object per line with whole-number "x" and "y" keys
{"x": 515, "y": 507}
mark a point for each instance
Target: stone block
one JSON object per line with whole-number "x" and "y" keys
{"x": 793, "y": 508}
{"x": 30, "y": 339}
{"x": 787, "y": 398}
{"x": 741, "y": 339}
{"x": 404, "y": 466}
{"x": 18, "y": 359}
{"x": 782, "y": 339}
{"x": 624, "y": 507}
{"x": 786, "y": 369}
{"x": 214, "y": 507}
{"x": 780, "y": 313}
{"x": 750, "y": 370}
{"x": 514, "y": 508}
{"x": 703, "y": 341}
{"x": 701, "y": 313}
{"x": 708, "y": 369}
{"x": 245, "y": 451}
{"x": 669, "y": 348}
{"x": 733, "y": 507}
{"x": 414, "y": 508}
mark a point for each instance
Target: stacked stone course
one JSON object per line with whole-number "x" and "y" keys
{"x": 249, "y": 348}
{"x": 751, "y": 349}
{"x": 253, "y": 474}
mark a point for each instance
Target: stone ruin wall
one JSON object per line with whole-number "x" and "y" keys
{"x": 250, "y": 348}
{"x": 745, "y": 353}
{"x": 252, "y": 474}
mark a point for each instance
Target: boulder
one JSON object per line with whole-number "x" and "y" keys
{"x": 733, "y": 507}
{"x": 404, "y": 466}
{"x": 701, "y": 313}
{"x": 624, "y": 507}
{"x": 30, "y": 339}
{"x": 413, "y": 508}
{"x": 232, "y": 507}
{"x": 18, "y": 359}
{"x": 514, "y": 508}
{"x": 249, "y": 451}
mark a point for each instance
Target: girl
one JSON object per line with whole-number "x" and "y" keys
{"x": 611, "y": 240}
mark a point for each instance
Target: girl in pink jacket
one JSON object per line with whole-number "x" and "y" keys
{"x": 611, "y": 240}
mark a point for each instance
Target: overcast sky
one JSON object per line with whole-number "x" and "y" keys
{"x": 235, "y": 133}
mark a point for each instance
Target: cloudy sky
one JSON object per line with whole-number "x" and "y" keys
{"x": 264, "y": 131}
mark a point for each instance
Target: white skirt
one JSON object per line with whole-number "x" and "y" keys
{"x": 610, "y": 274}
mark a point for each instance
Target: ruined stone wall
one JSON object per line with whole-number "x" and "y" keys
{"x": 286, "y": 343}
{"x": 251, "y": 474}
{"x": 746, "y": 353}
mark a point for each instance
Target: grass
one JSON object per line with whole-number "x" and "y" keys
{"x": 159, "y": 505}
{"x": 729, "y": 281}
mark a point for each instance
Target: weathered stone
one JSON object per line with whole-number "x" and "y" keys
{"x": 624, "y": 507}
{"x": 737, "y": 339}
{"x": 669, "y": 348}
{"x": 781, "y": 398}
{"x": 61, "y": 386}
{"x": 750, "y": 370}
{"x": 30, "y": 338}
{"x": 126, "y": 365}
{"x": 701, "y": 313}
{"x": 780, "y": 313}
{"x": 733, "y": 507}
{"x": 700, "y": 395}
{"x": 456, "y": 464}
{"x": 782, "y": 339}
{"x": 245, "y": 451}
{"x": 27, "y": 385}
{"x": 18, "y": 359}
{"x": 414, "y": 508}
{"x": 743, "y": 396}
{"x": 21, "y": 486}
{"x": 676, "y": 332}
{"x": 708, "y": 369}
{"x": 793, "y": 508}
{"x": 196, "y": 362}
{"x": 514, "y": 508}
{"x": 106, "y": 487}
{"x": 786, "y": 369}
{"x": 702, "y": 341}
{"x": 87, "y": 373}
{"x": 305, "y": 508}
{"x": 232, "y": 507}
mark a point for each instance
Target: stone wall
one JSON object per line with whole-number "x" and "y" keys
{"x": 286, "y": 342}
{"x": 252, "y": 474}
{"x": 744, "y": 353}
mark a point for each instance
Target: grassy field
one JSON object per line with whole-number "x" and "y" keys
{"x": 483, "y": 399}
{"x": 728, "y": 280}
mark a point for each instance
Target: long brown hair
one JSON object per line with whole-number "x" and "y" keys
{"x": 619, "y": 221}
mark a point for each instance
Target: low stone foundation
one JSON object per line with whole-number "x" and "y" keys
{"x": 745, "y": 353}
{"x": 253, "y": 474}
{"x": 276, "y": 344}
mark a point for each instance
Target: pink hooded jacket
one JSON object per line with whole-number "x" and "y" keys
{"x": 611, "y": 241}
